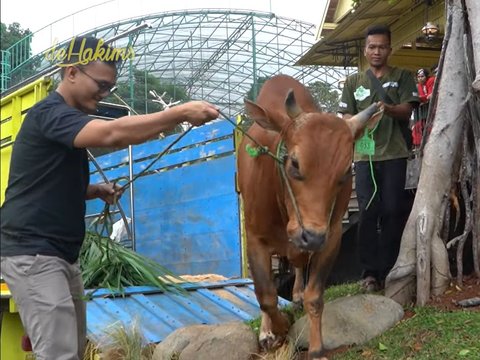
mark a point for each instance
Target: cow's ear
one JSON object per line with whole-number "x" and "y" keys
{"x": 259, "y": 115}
{"x": 368, "y": 117}
{"x": 293, "y": 110}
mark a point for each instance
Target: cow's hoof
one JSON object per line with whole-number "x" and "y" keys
{"x": 269, "y": 341}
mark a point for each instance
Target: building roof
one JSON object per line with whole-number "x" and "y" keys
{"x": 341, "y": 43}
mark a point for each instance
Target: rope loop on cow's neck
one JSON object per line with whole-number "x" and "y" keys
{"x": 261, "y": 149}
{"x": 280, "y": 156}
{"x": 282, "y": 153}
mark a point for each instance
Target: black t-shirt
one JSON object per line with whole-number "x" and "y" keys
{"x": 44, "y": 206}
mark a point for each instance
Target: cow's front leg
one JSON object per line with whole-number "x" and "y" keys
{"x": 319, "y": 268}
{"x": 298, "y": 259}
{"x": 298, "y": 289}
{"x": 313, "y": 304}
{"x": 274, "y": 327}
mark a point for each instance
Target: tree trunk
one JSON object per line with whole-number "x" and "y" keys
{"x": 474, "y": 14}
{"x": 423, "y": 260}
{"x": 435, "y": 181}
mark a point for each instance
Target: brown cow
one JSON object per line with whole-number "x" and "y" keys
{"x": 305, "y": 224}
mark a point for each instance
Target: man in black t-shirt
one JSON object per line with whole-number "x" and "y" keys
{"x": 42, "y": 218}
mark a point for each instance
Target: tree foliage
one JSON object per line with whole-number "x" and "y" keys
{"x": 143, "y": 83}
{"x": 255, "y": 88}
{"x": 138, "y": 96}
{"x": 325, "y": 95}
{"x": 10, "y": 34}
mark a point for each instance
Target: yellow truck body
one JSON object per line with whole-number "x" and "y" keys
{"x": 13, "y": 109}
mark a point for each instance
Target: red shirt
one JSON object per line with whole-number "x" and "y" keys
{"x": 425, "y": 90}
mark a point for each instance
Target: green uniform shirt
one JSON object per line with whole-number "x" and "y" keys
{"x": 358, "y": 94}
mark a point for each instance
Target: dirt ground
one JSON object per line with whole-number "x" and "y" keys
{"x": 448, "y": 301}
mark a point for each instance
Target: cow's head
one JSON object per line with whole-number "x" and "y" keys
{"x": 319, "y": 154}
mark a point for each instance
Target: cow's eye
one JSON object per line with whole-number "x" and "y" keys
{"x": 294, "y": 169}
{"x": 295, "y": 163}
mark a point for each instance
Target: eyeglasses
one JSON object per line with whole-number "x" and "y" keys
{"x": 103, "y": 86}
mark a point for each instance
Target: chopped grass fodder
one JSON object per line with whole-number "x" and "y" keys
{"x": 107, "y": 264}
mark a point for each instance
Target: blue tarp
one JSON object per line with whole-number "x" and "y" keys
{"x": 159, "y": 314}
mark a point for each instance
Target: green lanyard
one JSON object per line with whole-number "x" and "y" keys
{"x": 366, "y": 146}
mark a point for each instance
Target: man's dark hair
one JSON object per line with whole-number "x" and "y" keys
{"x": 379, "y": 30}
{"x": 80, "y": 45}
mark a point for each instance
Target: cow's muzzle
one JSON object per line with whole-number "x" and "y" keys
{"x": 309, "y": 240}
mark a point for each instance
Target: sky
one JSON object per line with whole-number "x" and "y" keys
{"x": 38, "y": 15}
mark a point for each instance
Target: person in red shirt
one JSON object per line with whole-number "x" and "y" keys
{"x": 425, "y": 85}
{"x": 425, "y": 88}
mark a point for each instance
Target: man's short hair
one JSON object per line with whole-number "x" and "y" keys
{"x": 379, "y": 30}
{"x": 80, "y": 45}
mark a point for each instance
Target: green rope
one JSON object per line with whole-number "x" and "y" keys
{"x": 253, "y": 151}
{"x": 256, "y": 151}
{"x": 372, "y": 173}
{"x": 158, "y": 157}
{"x": 280, "y": 155}
{"x": 282, "y": 151}
{"x": 375, "y": 188}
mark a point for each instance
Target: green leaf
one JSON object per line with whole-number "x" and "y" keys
{"x": 109, "y": 265}
{"x": 382, "y": 347}
{"x": 464, "y": 352}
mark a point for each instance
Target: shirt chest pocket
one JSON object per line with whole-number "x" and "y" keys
{"x": 365, "y": 97}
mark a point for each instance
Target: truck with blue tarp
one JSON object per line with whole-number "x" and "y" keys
{"x": 186, "y": 217}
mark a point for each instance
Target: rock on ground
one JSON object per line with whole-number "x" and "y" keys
{"x": 232, "y": 341}
{"x": 350, "y": 320}
{"x": 346, "y": 321}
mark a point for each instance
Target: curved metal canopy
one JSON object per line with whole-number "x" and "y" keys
{"x": 216, "y": 55}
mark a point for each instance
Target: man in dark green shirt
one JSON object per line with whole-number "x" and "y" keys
{"x": 380, "y": 156}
